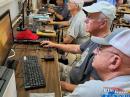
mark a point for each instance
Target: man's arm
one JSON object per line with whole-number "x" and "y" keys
{"x": 72, "y": 48}
{"x": 67, "y": 39}
{"x": 51, "y": 10}
{"x": 63, "y": 23}
{"x": 60, "y": 17}
{"x": 67, "y": 86}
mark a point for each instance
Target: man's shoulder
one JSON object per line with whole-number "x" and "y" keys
{"x": 89, "y": 44}
{"x": 81, "y": 16}
{"x": 90, "y": 88}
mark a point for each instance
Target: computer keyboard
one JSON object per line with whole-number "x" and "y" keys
{"x": 30, "y": 41}
{"x": 2, "y": 70}
{"x": 33, "y": 75}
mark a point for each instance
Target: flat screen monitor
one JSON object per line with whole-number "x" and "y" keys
{"x": 6, "y": 36}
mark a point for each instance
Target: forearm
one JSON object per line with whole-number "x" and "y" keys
{"x": 69, "y": 48}
{"x": 67, "y": 86}
{"x": 64, "y": 23}
{"x": 60, "y": 17}
{"x": 70, "y": 88}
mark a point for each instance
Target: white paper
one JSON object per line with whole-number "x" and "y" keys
{"x": 42, "y": 94}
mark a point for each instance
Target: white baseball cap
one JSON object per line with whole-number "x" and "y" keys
{"x": 119, "y": 39}
{"x": 105, "y": 7}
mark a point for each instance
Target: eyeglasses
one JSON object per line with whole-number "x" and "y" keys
{"x": 100, "y": 50}
{"x": 93, "y": 17}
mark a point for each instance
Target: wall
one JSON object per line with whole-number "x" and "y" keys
{"x": 9, "y": 4}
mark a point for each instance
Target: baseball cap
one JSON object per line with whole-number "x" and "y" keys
{"x": 105, "y": 7}
{"x": 79, "y": 3}
{"x": 26, "y": 34}
{"x": 119, "y": 39}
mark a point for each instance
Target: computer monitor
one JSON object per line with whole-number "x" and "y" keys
{"x": 6, "y": 36}
{"x": 24, "y": 11}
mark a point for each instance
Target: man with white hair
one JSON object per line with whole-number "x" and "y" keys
{"x": 112, "y": 63}
{"x": 76, "y": 31}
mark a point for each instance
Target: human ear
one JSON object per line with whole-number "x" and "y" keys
{"x": 103, "y": 23}
{"x": 114, "y": 62}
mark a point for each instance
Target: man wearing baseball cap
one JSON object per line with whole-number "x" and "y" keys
{"x": 76, "y": 25}
{"x": 97, "y": 24}
{"x": 107, "y": 12}
{"x": 76, "y": 31}
{"x": 112, "y": 63}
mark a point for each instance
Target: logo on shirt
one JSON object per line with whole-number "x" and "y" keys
{"x": 115, "y": 92}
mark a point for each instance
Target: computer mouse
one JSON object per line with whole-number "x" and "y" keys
{"x": 44, "y": 44}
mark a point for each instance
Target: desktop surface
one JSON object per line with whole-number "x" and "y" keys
{"x": 50, "y": 70}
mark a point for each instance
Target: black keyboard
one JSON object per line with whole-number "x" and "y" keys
{"x": 2, "y": 70}
{"x": 33, "y": 75}
{"x": 30, "y": 41}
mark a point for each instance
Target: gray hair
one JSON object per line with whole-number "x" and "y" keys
{"x": 78, "y": 3}
{"x": 109, "y": 21}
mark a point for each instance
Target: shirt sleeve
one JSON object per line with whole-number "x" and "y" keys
{"x": 84, "y": 45}
{"x": 93, "y": 88}
{"x": 73, "y": 30}
{"x": 76, "y": 28}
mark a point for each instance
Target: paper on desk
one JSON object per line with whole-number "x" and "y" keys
{"x": 42, "y": 94}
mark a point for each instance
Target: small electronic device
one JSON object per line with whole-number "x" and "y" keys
{"x": 48, "y": 56}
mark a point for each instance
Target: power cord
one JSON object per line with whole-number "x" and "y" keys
{"x": 12, "y": 55}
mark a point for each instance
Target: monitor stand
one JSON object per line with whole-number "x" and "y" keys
{"x": 11, "y": 63}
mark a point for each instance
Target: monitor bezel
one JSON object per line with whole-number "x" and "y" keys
{"x": 1, "y": 17}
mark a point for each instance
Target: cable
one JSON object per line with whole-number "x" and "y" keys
{"x": 17, "y": 20}
{"x": 13, "y": 54}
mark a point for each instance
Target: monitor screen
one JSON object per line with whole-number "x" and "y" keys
{"x": 6, "y": 36}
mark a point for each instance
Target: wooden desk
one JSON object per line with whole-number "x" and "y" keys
{"x": 49, "y": 31}
{"x": 123, "y": 10}
{"x": 50, "y": 70}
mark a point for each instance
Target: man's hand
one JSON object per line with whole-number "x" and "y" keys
{"x": 47, "y": 43}
{"x": 67, "y": 86}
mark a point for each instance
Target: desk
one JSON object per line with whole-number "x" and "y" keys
{"x": 123, "y": 10}
{"x": 118, "y": 22}
{"x": 49, "y": 31}
{"x": 50, "y": 70}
